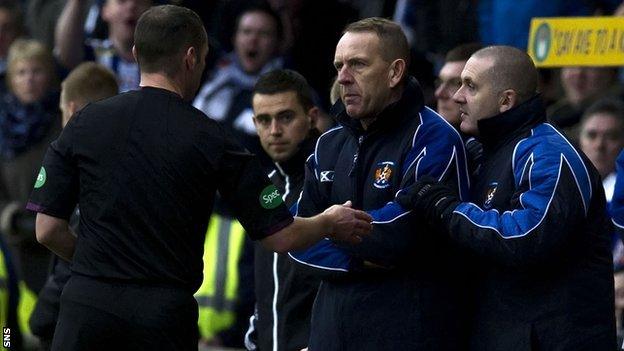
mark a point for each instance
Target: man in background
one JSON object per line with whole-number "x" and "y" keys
{"x": 87, "y": 83}
{"x": 285, "y": 118}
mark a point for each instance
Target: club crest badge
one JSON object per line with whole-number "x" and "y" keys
{"x": 490, "y": 195}
{"x": 383, "y": 174}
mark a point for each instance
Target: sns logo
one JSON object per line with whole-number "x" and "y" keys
{"x": 41, "y": 178}
{"x": 270, "y": 197}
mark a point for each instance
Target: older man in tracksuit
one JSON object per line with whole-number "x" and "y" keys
{"x": 402, "y": 287}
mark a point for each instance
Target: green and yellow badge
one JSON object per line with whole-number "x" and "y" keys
{"x": 270, "y": 197}
{"x": 41, "y": 178}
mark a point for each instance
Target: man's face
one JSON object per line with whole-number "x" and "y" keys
{"x": 255, "y": 41}
{"x": 477, "y": 97}
{"x": 449, "y": 81}
{"x": 601, "y": 140}
{"x": 30, "y": 81}
{"x": 122, "y": 17}
{"x": 363, "y": 75}
{"x": 281, "y": 123}
{"x": 581, "y": 83}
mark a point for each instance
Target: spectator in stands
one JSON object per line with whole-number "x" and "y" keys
{"x": 115, "y": 52}
{"x": 11, "y": 27}
{"x": 601, "y": 139}
{"x": 449, "y": 81}
{"x": 226, "y": 96}
{"x": 582, "y": 86}
{"x": 29, "y": 120}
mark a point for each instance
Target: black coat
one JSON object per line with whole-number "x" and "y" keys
{"x": 415, "y": 300}
{"x": 538, "y": 220}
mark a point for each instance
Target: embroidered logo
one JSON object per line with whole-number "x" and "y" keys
{"x": 490, "y": 195}
{"x": 270, "y": 197}
{"x": 327, "y": 176}
{"x": 41, "y": 178}
{"x": 383, "y": 174}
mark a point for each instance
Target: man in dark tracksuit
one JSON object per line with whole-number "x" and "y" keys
{"x": 401, "y": 288}
{"x": 284, "y": 116}
{"x": 537, "y": 218}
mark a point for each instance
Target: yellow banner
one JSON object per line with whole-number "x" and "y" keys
{"x": 577, "y": 41}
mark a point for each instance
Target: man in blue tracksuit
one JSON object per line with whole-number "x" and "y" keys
{"x": 537, "y": 217}
{"x": 400, "y": 288}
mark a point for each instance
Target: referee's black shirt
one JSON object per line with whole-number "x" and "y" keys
{"x": 144, "y": 167}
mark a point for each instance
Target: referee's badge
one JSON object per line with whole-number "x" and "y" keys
{"x": 490, "y": 195}
{"x": 383, "y": 174}
{"x": 41, "y": 178}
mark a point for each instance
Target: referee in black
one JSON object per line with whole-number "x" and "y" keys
{"x": 144, "y": 167}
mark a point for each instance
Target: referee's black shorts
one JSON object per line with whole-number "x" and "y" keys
{"x": 97, "y": 315}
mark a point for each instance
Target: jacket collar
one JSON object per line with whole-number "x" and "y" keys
{"x": 296, "y": 164}
{"x": 412, "y": 101}
{"x": 505, "y": 126}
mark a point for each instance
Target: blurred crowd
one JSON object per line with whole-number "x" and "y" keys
{"x": 41, "y": 41}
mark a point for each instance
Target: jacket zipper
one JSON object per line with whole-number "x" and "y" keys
{"x": 355, "y": 173}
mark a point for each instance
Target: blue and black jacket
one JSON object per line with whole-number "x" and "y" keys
{"x": 617, "y": 202}
{"x": 409, "y": 300}
{"x": 538, "y": 219}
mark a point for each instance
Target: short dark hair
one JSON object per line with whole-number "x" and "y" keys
{"x": 89, "y": 82}
{"x": 284, "y": 80}
{"x": 392, "y": 41}
{"x": 608, "y": 106}
{"x": 267, "y": 10}
{"x": 462, "y": 52}
{"x": 512, "y": 69}
{"x": 163, "y": 33}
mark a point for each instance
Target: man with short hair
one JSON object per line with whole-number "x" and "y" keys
{"x": 88, "y": 82}
{"x": 449, "y": 81}
{"x": 537, "y": 217}
{"x": 396, "y": 290}
{"x": 145, "y": 167}
{"x": 285, "y": 118}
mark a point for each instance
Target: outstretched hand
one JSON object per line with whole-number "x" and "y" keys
{"x": 347, "y": 224}
{"x": 434, "y": 200}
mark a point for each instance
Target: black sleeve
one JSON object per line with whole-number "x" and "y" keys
{"x": 257, "y": 203}
{"x": 56, "y": 188}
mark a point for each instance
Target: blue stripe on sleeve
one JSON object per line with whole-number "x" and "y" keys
{"x": 538, "y": 163}
{"x": 323, "y": 255}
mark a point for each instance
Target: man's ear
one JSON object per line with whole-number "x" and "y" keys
{"x": 72, "y": 107}
{"x": 134, "y": 53}
{"x": 190, "y": 58}
{"x": 396, "y": 72}
{"x": 313, "y": 115}
{"x": 508, "y": 100}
